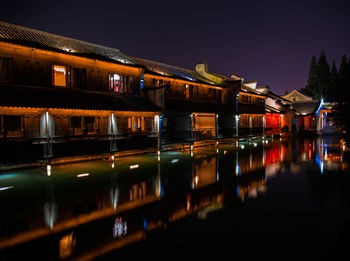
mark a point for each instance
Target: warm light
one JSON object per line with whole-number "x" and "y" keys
{"x": 48, "y": 170}
{"x": 134, "y": 166}
{"x": 188, "y": 201}
{"x": 59, "y": 77}
{"x": 112, "y": 157}
{"x": 196, "y": 179}
{"x": 66, "y": 245}
{"x": 82, "y": 175}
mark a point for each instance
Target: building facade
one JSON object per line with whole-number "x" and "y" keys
{"x": 193, "y": 106}
{"x": 57, "y": 91}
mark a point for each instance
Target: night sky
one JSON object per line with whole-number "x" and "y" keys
{"x": 268, "y": 41}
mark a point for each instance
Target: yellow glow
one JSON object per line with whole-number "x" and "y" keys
{"x": 59, "y": 75}
{"x": 134, "y": 166}
{"x": 48, "y": 169}
{"x": 83, "y": 175}
{"x": 196, "y": 179}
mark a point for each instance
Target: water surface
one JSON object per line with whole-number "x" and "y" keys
{"x": 293, "y": 194}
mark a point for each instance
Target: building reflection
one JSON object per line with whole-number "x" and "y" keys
{"x": 120, "y": 200}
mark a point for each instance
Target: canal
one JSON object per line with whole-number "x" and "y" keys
{"x": 252, "y": 198}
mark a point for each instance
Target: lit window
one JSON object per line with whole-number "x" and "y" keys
{"x": 117, "y": 83}
{"x": 187, "y": 91}
{"x": 139, "y": 122}
{"x": 59, "y": 75}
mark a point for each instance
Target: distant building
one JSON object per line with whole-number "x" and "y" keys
{"x": 280, "y": 115}
{"x": 312, "y": 116}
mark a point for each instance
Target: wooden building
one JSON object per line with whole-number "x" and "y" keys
{"x": 279, "y": 116}
{"x": 313, "y": 116}
{"x": 248, "y": 100}
{"x": 58, "y": 90}
{"x": 251, "y": 110}
{"x": 193, "y": 106}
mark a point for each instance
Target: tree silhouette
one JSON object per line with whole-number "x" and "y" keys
{"x": 334, "y": 92}
{"x": 312, "y": 81}
{"x": 324, "y": 76}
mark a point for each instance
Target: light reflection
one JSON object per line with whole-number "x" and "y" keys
{"x": 134, "y": 166}
{"x": 66, "y": 245}
{"x": 6, "y": 188}
{"x": 83, "y": 175}
{"x": 48, "y": 170}
{"x": 120, "y": 227}
{"x": 249, "y": 172}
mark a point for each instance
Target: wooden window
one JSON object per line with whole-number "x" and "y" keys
{"x": 59, "y": 75}
{"x": 75, "y": 122}
{"x": 89, "y": 124}
{"x": 12, "y": 125}
{"x": 5, "y": 69}
{"x": 79, "y": 78}
{"x": 219, "y": 95}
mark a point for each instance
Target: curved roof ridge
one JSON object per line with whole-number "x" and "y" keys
{"x": 44, "y": 40}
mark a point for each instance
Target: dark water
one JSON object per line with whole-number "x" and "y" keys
{"x": 281, "y": 199}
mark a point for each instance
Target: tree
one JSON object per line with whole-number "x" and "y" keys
{"x": 312, "y": 81}
{"x": 319, "y": 81}
{"x": 334, "y": 92}
{"x": 344, "y": 79}
{"x": 324, "y": 77}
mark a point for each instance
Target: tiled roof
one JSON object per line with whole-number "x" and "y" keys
{"x": 173, "y": 71}
{"x": 271, "y": 109}
{"x": 42, "y": 40}
{"x": 306, "y": 108}
{"x": 62, "y": 98}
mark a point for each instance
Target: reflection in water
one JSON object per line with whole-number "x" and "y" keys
{"x": 66, "y": 245}
{"x": 135, "y": 195}
{"x": 120, "y": 227}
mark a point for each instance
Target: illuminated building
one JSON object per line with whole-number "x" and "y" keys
{"x": 249, "y": 103}
{"x": 193, "y": 105}
{"x": 57, "y": 91}
{"x": 279, "y": 116}
{"x": 251, "y": 109}
{"x": 313, "y": 116}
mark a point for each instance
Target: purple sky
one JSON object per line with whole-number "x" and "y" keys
{"x": 268, "y": 41}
